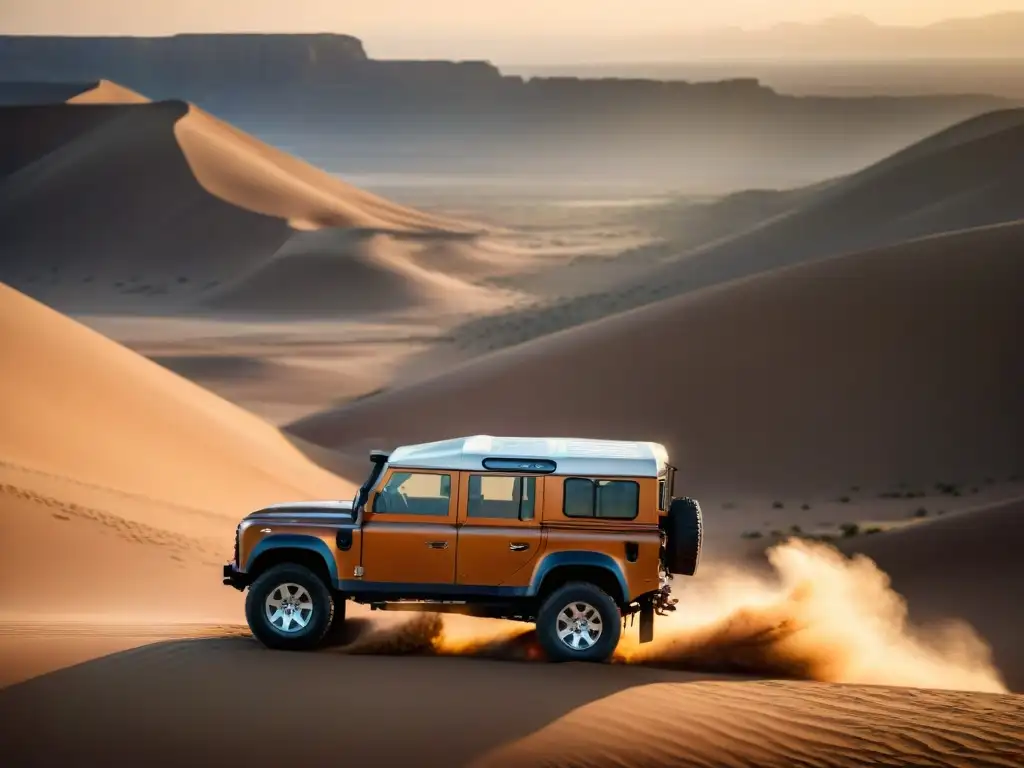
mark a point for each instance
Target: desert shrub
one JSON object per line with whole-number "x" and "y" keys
{"x": 849, "y": 529}
{"x": 777, "y": 505}
{"x": 844, "y": 499}
{"x": 796, "y": 529}
{"x": 921, "y": 512}
{"x": 871, "y": 530}
{"x": 751, "y": 535}
{"x": 805, "y": 507}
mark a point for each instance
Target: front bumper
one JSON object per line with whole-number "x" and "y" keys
{"x": 234, "y": 578}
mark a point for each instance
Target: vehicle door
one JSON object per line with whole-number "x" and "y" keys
{"x": 409, "y": 535}
{"x": 499, "y": 529}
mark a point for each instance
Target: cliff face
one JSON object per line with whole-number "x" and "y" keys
{"x": 180, "y": 58}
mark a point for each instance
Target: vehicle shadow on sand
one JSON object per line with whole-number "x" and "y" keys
{"x": 230, "y": 700}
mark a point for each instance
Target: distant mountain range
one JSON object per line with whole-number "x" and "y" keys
{"x": 842, "y": 37}
{"x": 322, "y": 97}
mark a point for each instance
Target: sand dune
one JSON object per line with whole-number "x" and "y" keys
{"x": 38, "y": 93}
{"x": 244, "y": 171}
{"x": 776, "y": 724}
{"x": 77, "y": 405}
{"x": 859, "y": 369}
{"x": 111, "y": 565}
{"x": 107, "y": 92}
{"x": 332, "y": 272}
{"x": 107, "y": 205}
{"x": 546, "y": 714}
{"x": 968, "y": 176}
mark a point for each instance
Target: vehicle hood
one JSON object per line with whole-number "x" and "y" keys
{"x": 313, "y": 511}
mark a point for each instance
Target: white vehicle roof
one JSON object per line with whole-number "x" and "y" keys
{"x": 572, "y": 456}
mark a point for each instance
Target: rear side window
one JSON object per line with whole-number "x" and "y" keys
{"x": 499, "y": 497}
{"x": 606, "y": 499}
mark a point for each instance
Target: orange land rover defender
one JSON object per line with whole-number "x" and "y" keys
{"x": 573, "y": 535}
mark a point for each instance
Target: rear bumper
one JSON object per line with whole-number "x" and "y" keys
{"x": 234, "y": 578}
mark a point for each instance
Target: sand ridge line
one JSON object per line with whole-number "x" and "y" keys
{"x": 132, "y": 531}
{"x": 149, "y": 500}
{"x": 776, "y": 723}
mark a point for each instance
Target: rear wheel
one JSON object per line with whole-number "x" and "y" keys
{"x": 579, "y": 622}
{"x": 289, "y": 608}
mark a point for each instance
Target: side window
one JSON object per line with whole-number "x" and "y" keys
{"x": 415, "y": 493}
{"x": 500, "y": 497}
{"x": 608, "y": 499}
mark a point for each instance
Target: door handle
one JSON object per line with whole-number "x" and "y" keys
{"x": 437, "y": 544}
{"x": 517, "y": 546}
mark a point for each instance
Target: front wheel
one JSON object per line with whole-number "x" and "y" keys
{"x": 579, "y": 622}
{"x": 289, "y": 608}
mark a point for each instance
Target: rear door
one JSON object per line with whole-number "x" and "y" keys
{"x": 498, "y": 529}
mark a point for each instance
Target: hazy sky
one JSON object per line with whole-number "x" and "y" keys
{"x": 495, "y": 29}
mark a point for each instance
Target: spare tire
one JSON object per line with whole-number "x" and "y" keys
{"x": 684, "y": 534}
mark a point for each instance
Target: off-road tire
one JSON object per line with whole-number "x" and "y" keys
{"x": 578, "y": 592}
{"x": 336, "y": 633}
{"x": 310, "y": 636}
{"x": 684, "y": 533}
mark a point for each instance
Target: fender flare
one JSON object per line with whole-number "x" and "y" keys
{"x": 295, "y": 541}
{"x": 589, "y": 559}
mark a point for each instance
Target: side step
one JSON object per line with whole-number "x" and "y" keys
{"x": 460, "y": 608}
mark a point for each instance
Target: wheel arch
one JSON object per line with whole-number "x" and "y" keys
{"x": 598, "y": 568}
{"x": 305, "y": 550}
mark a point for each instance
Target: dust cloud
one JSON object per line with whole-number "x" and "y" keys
{"x": 823, "y": 617}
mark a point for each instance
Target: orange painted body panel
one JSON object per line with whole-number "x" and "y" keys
{"x": 409, "y": 548}
{"x": 496, "y": 552}
{"x": 495, "y": 556}
{"x": 607, "y": 536}
{"x": 641, "y": 576}
{"x": 253, "y": 534}
{"x": 409, "y": 553}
